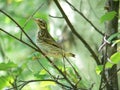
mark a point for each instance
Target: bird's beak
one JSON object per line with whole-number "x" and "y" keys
{"x": 41, "y": 25}
{"x": 36, "y": 20}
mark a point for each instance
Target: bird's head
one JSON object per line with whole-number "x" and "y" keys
{"x": 41, "y": 23}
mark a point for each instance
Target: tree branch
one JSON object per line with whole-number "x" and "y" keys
{"x": 92, "y": 9}
{"x": 112, "y": 28}
{"x": 85, "y": 18}
{"x": 37, "y": 48}
{"x": 30, "y": 18}
{"x": 74, "y": 32}
{"x": 30, "y": 81}
{"x": 110, "y": 78}
{"x": 46, "y": 69}
{"x": 18, "y": 39}
{"x": 42, "y": 54}
{"x": 19, "y": 27}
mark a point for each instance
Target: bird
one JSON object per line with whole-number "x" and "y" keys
{"x": 46, "y": 42}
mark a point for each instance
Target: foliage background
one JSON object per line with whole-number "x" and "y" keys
{"x": 26, "y": 68}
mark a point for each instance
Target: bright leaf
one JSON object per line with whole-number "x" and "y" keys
{"x": 115, "y": 42}
{"x": 4, "y": 81}
{"x": 42, "y": 72}
{"x": 115, "y": 59}
{"x": 113, "y": 36}
{"x": 108, "y": 16}
{"x": 99, "y": 69}
{"x": 6, "y": 66}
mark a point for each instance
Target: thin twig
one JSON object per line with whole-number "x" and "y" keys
{"x": 76, "y": 72}
{"x": 30, "y": 18}
{"x": 14, "y": 84}
{"x": 27, "y": 82}
{"x": 91, "y": 8}
{"x": 85, "y": 18}
{"x": 104, "y": 61}
{"x": 45, "y": 69}
{"x": 80, "y": 7}
{"x": 102, "y": 76}
{"x": 32, "y": 15}
{"x": 91, "y": 86}
{"x": 37, "y": 48}
{"x": 18, "y": 39}
{"x": 30, "y": 81}
{"x": 110, "y": 78}
{"x": 74, "y": 32}
{"x": 105, "y": 42}
{"x": 65, "y": 77}
{"x": 19, "y": 27}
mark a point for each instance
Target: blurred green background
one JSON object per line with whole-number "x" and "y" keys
{"x": 21, "y": 57}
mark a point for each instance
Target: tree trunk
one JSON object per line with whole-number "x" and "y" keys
{"x": 111, "y": 28}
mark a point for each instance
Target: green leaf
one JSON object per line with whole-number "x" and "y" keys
{"x": 115, "y": 42}
{"x": 108, "y": 16}
{"x": 34, "y": 56}
{"x": 43, "y": 72}
{"x": 114, "y": 59}
{"x": 17, "y": 71}
{"x": 6, "y": 66}
{"x": 4, "y": 81}
{"x": 115, "y": 35}
{"x": 99, "y": 69}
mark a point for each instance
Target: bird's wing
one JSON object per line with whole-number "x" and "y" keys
{"x": 51, "y": 41}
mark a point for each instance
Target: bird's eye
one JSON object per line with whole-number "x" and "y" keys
{"x": 42, "y": 22}
{"x": 42, "y": 34}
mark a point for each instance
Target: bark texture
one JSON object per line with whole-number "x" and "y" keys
{"x": 111, "y": 28}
